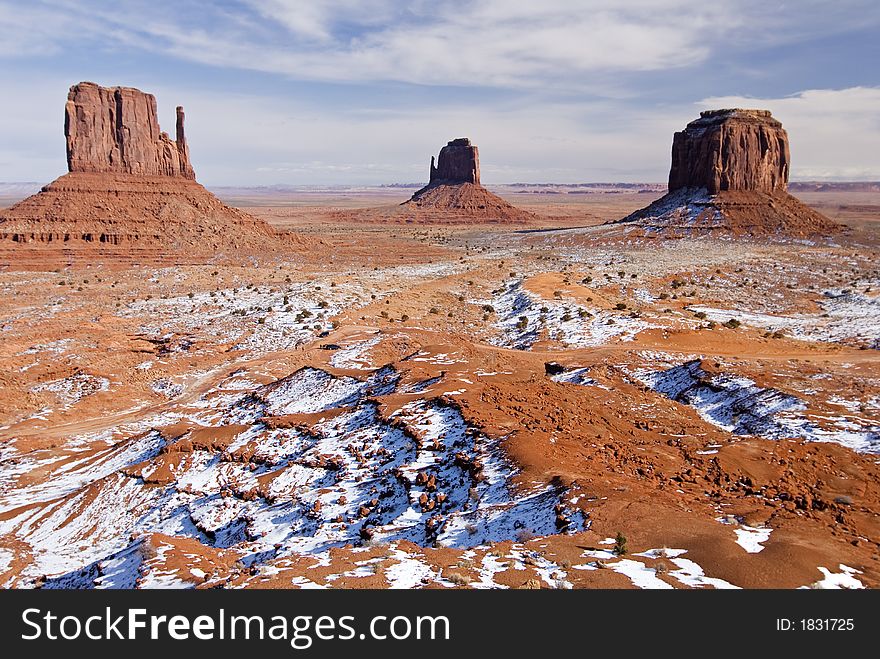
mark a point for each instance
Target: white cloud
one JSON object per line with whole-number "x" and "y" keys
{"x": 507, "y": 43}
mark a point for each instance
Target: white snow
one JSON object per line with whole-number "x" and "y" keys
{"x": 751, "y": 539}
{"x": 839, "y": 580}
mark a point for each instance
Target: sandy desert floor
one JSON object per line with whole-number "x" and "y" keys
{"x": 449, "y": 405}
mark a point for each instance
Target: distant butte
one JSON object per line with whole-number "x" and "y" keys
{"x": 454, "y": 192}
{"x": 459, "y": 162}
{"x": 130, "y": 191}
{"x": 729, "y": 175}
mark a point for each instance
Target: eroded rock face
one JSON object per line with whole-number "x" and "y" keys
{"x": 729, "y": 176}
{"x": 116, "y": 130}
{"x": 130, "y": 195}
{"x": 459, "y": 162}
{"x": 731, "y": 150}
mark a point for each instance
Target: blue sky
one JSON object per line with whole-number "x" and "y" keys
{"x": 364, "y": 92}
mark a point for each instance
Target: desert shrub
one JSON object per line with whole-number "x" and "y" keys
{"x": 701, "y": 315}
{"x": 404, "y": 318}
{"x": 523, "y": 323}
{"x": 733, "y": 323}
{"x": 620, "y": 306}
{"x": 620, "y": 544}
{"x": 458, "y": 579}
{"x": 434, "y": 310}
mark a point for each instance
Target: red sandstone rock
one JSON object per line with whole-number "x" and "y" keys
{"x": 116, "y": 130}
{"x": 130, "y": 194}
{"x": 454, "y": 192}
{"x": 459, "y": 162}
{"x": 729, "y": 175}
{"x": 736, "y": 150}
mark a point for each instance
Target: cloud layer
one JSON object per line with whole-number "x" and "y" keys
{"x": 364, "y": 91}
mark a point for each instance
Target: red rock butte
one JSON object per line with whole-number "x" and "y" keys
{"x": 729, "y": 175}
{"x": 459, "y": 162}
{"x": 130, "y": 193}
{"x": 115, "y": 130}
{"x": 454, "y": 192}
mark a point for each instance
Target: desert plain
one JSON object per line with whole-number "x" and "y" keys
{"x": 448, "y": 386}
{"x": 447, "y": 404}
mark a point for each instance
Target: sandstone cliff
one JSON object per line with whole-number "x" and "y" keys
{"x": 116, "y": 130}
{"x": 734, "y": 150}
{"x": 454, "y": 192}
{"x": 729, "y": 175}
{"x": 130, "y": 194}
{"x": 459, "y": 162}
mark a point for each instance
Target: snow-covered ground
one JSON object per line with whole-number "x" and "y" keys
{"x": 421, "y": 473}
{"x": 74, "y": 388}
{"x": 847, "y": 317}
{"x": 739, "y": 406}
{"x": 522, "y": 318}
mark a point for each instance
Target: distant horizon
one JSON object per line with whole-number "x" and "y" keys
{"x": 36, "y": 185}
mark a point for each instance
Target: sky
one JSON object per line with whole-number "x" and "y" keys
{"x": 363, "y": 92}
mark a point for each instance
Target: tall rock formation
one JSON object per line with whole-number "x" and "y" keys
{"x": 454, "y": 192}
{"x": 736, "y": 150}
{"x": 459, "y": 162}
{"x": 729, "y": 174}
{"x": 130, "y": 193}
{"x": 116, "y": 130}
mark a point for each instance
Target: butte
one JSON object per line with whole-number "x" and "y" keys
{"x": 729, "y": 177}
{"x": 454, "y": 192}
{"x": 130, "y": 194}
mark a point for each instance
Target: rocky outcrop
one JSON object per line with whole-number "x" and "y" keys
{"x": 454, "y": 193}
{"x": 116, "y": 130}
{"x": 130, "y": 194}
{"x": 734, "y": 149}
{"x": 459, "y": 162}
{"x": 729, "y": 176}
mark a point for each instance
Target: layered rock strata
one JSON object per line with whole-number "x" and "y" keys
{"x": 454, "y": 192}
{"x": 130, "y": 191}
{"x": 729, "y": 175}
